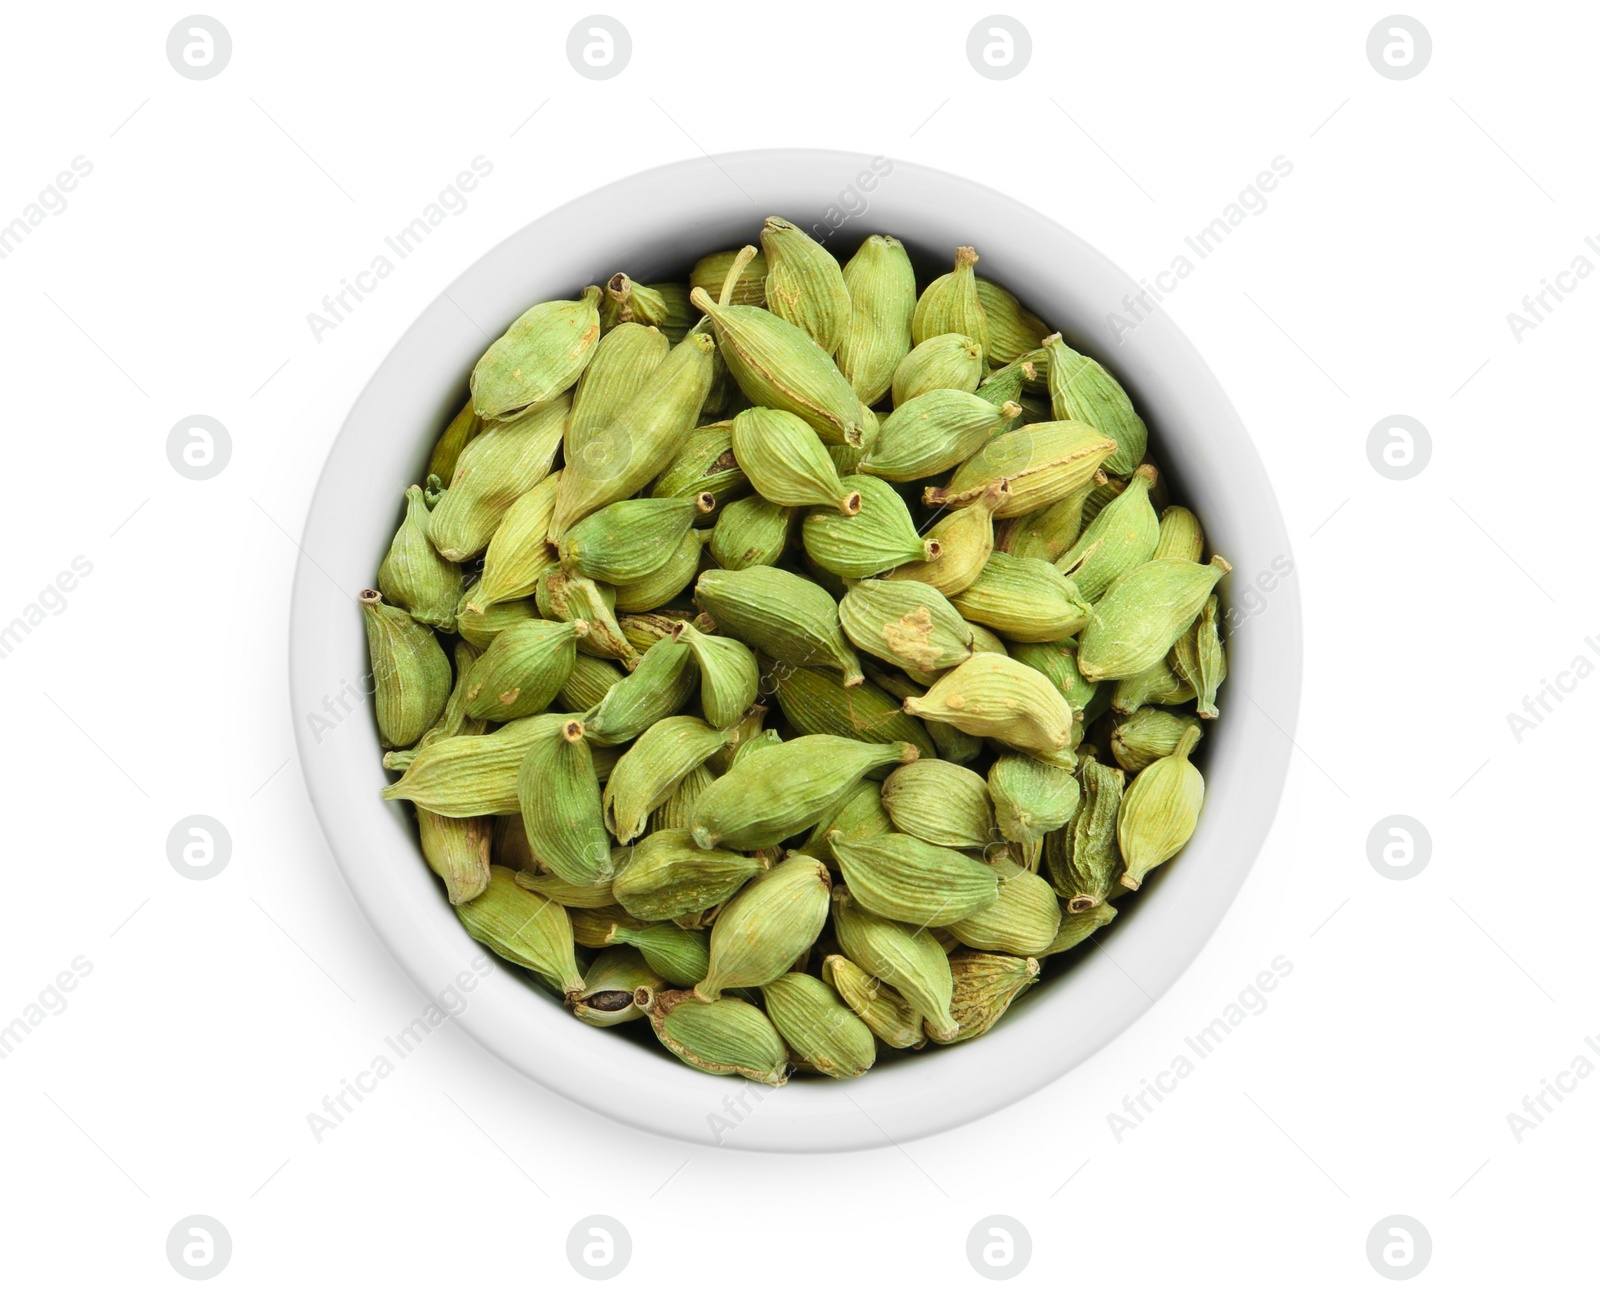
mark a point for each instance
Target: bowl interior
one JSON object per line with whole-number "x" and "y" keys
{"x": 654, "y": 225}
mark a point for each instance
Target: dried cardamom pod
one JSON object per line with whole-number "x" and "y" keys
{"x": 947, "y": 361}
{"x": 413, "y": 576}
{"x": 660, "y": 587}
{"x": 530, "y": 931}
{"x": 453, "y": 720}
{"x": 1025, "y": 599}
{"x": 1142, "y": 615}
{"x": 623, "y": 362}
{"x": 587, "y": 686}
{"x": 1081, "y": 860}
{"x": 859, "y": 814}
{"x": 1042, "y": 463}
{"x": 1147, "y": 735}
{"x": 886, "y": 1013}
{"x": 471, "y": 774}
{"x": 666, "y": 874}
{"x": 814, "y": 702}
{"x": 1083, "y": 389}
{"x": 752, "y": 532}
{"x": 818, "y": 1027}
{"x": 966, "y": 537}
{"x": 789, "y": 619}
{"x": 458, "y": 851}
{"x": 729, "y": 674}
{"x": 942, "y": 803}
{"x": 1155, "y": 684}
{"x": 768, "y": 924}
{"x": 1180, "y": 535}
{"x": 452, "y": 441}
{"x": 1023, "y": 919}
{"x": 647, "y": 772}
{"x": 664, "y": 680}
{"x": 805, "y": 284}
{"x": 749, "y": 289}
{"x": 560, "y": 798}
{"x": 520, "y": 673}
{"x": 1159, "y": 812}
{"x": 565, "y": 596}
{"x": 877, "y": 537}
{"x": 609, "y": 986}
{"x": 907, "y": 623}
{"x": 1046, "y": 533}
{"x": 574, "y": 896}
{"x": 882, "y": 291}
{"x": 479, "y": 625}
{"x": 538, "y": 358}
{"x": 704, "y": 463}
{"x": 628, "y": 540}
{"x": 998, "y": 697}
{"x": 898, "y": 876}
{"x": 680, "y": 955}
{"x": 909, "y": 959}
{"x": 517, "y": 555}
{"x": 1122, "y": 536}
{"x": 1059, "y": 662}
{"x": 1031, "y": 799}
{"x": 1013, "y": 331}
{"x": 774, "y": 792}
{"x": 786, "y": 461}
{"x": 1199, "y": 660}
{"x": 934, "y": 432}
{"x": 950, "y": 304}
{"x": 1076, "y": 928}
{"x": 985, "y": 985}
{"x": 628, "y": 302}
{"x": 725, "y": 1038}
{"x": 410, "y": 673}
{"x": 778, "y": 365}
{"x": 496, "y": 469}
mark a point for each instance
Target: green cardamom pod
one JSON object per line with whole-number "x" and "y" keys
{"x": 1031, "y": 799}
{"x": 1180, "y": 535}
{"x": 784, "y": 789}
{"x": 907, "y": 623}
{"x": 664, "y": 680}
{"x": 479, "y": 625}
{"x": 934, "y": 432}
{"x": 908, "y": 958}
{"x": 886, "y": 1013}
{"x": 1076, "y": 928}
{"x": 1199, "y": 660}
{"x": 520, "y": 673}
{"x": 725, "y": 1038}
{"x": 1156, "y": 684}
{"x": 453, "y": 720}
{"x": 730, "y": 676}
{"x": 538, "y": 358}
{"x": 529, "y": 930}
{"x": 985, "y": 985}
{"x": 710, "y": 273}
{"x": 666, "y": 874}
{"x": 942, "y": 803}
{"x": 819, "y": 1027}
{"x": 1005, "y": 386}
{"x": 1041, "y": 462}
{"x": 471, "y": 774}
{"x": 647, "y": 772}
{"x": 1013, "y": 331}
{"x": 946, "y": 361}
{"x": 877, "y": 537}
{"x": 680, "y": 315}
{"x": 704, "y": 464}
{"x": 1083, "y": 389}
{"x": 410, "y": 673}
{"x": 1046, "y": 533}
{"x": 496, "y": 470}
{"x": 778, "y": 365}
{"x": 677, "y": 811}
{"x": 998, "y": 697}
{"x": 1025, "y": 599}
{"x": 628, "y": 540}
{"x": 805, "y": 284}
{"x": 882, "y": 289}
{"x": 622, "y": 364}
{"x": 587, "y": 686}
{"x": 769, "y": 924}
{"x": 565, "y": 596}
{"x": 1122, "y": 536}
{"x": 622, "y": 458}
{"x": 629, "y": 302}
{"x": 1159, "y": 812}
{"x": 784, "y": 616}
{"x": 950, "y": 304}
{"x": 609, "y": 986}
{"x": 859, "y": 814}
{"x": 1081, "y": 860}
{"x": 898, "y": 876}
{"x": 752, "y": 532}
{"x": 680, "y": 955}
{"x": 518, "y": 555}
{"x": 458, "y": 851}
{"x": 814, "y": 702}
{"x": 413, "y": 576}
{"x": 658, "y": 588}
{"x": 1147, "y": 735}
{"x": 574, "y": 896}
{"x": 560, "y": 798}
{"x": 966, "y": 539}
{"x": 1104, "y": 493}
{"x": 1023, "y": 920}
{"x": 452, "y": 441}
{"x": 1142, "y": 615}
{"x": 643, "y": 629}
{"x": 1058, "y": 661}
{"x": 787, "y": 463}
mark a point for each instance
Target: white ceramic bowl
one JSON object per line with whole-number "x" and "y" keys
{"x": 655, "y": 224}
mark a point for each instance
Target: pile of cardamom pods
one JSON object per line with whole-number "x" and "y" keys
{"x": 792, "y": 659}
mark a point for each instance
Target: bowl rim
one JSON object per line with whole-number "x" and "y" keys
{"x": 528, "y": 1031}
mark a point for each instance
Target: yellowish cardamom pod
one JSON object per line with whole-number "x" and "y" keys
{"x": 897, "y": 876}
{"x": 1077, "y": 928}
{"x": 680, "y": 955}
{"x": 560, "y": 798}
{"x": 805, "y": 285}
{"x": 946, "y": 361}
{"x": 1042, "y": 463}
{"x": 1013, "y": 331}
{"x": 623, "y": 362}
{"x": 650, "y": 769}
{"x": 908, "y": 958}
{"x": 770, "y": 923}
{"x": 1199, "y": 660}
{"x": 950, "y": 304}
{"x": 628, "y": 540}
{"x": 730, "y": 677}
{"x": 878, "y": 536}
{"x": 1142, "y": 615}
{"x": 887, "y": 1013}
{"x": 1159, "y": 812}
{"x": 907, "y": 623}
{"x": 985, "y": 987}
{"x": 1023, "y": 919}
{"x": 1122, "y": 536}
{"x": 539, "y": 357}
{"x": 786, "y": 462}
{"x": 1031, "y": 799}
{"x": 1025, "y": 599}
{"x": 666, "y": 875}
{"x": 998, "y": 697}
{"x": 814, "y": 702}
{"x": 520, "y": 673}
{"x": 710, "y": 273}
{"x": 658, "y": 588}
{"x": 1180, "y": 536}
{"x": 752, "y": 532}
{"x": 1081, "y": 860}
{"x": 1147, "y": 735}
{"x": 934, "y": 432}
{"x": 518, "y": 555}
{"x": 726, "y": 1038}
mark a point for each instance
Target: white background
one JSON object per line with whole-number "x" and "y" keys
{"x": 218, "y": 1014}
